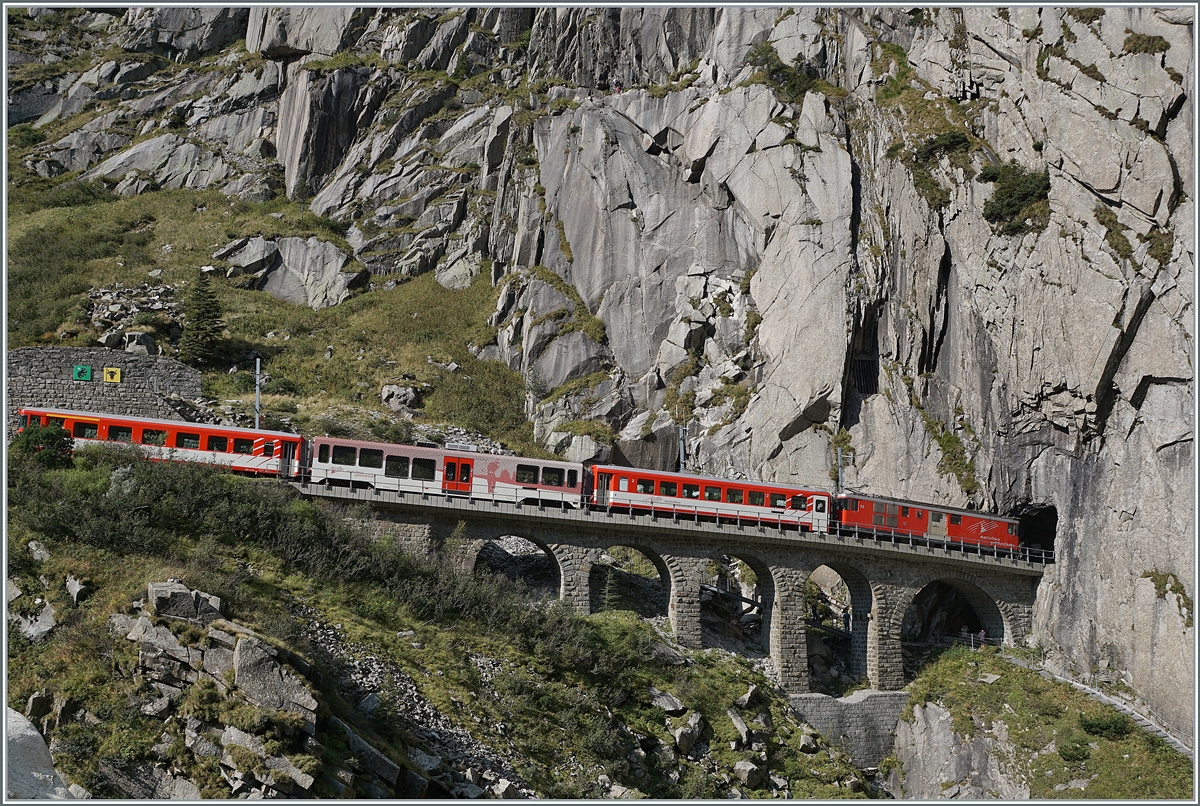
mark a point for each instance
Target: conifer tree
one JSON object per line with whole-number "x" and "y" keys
{"x": 200, "y": 345}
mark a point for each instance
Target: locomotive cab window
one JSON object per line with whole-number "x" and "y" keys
{"x": 733, "y": 496}
{"x": 936, "y": 517}
{"x": 218, "y": 443}
{"x": 86, "y": 430}
{"x": 819, "y": 505}
{"x": 551, "y": 476}
{"x": 800, "y": 502}
{"x": 645, "y": 486}
{"x": 854, "y": 505}
{"x": 370, "y": 457}
{"x": 241, "y": 445}
{"x": 1012, "y": 528}
{"x": 424, "y": 469}
{"x": 120, "y": 433}
{"x": 777, "y": 500}
{"x": 185, "y": 440}
{"x": 268, "y": 449}
{"x": 757, "y": 498}
{"x": 691, "y": 491}
{"x": 572, "y": 478}
{"x": 527, "y": 474}
{"x": 904, "y": 511}
{"x": 344, "y": 454}
{"x": 323, "y": 454}
{"x": 396, "y": 467}
{"x": 24, "y": 420}
{"x": 956, "y": 519}
{"x": 668, "y": 488}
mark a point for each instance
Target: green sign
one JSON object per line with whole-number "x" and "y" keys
{"x": 83, "y": 372}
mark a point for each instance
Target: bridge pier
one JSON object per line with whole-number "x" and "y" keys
{"x": 573, "y": 574}
{"x": 789, "y": 634}
{"x": 683, "y": 607}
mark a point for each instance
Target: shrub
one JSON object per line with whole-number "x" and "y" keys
{"x": 942, "y": 143}
{"x": 48, "y": 447}
{"x": 1073, "y": 749}
{"x": 1110, "y": 726}
{"x": 1017, "y": 194}
{"x": 1144, "y": 43}
{"x": 1085, "y": 15}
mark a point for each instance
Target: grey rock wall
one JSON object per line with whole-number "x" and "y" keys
{"x": 865, "y": 720}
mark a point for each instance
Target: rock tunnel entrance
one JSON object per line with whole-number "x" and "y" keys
{"x": 942, "y": 614}
{"x": 522, "y": 561}
{"x": 1039, "y": 525}
{"x": 625, "y": 578}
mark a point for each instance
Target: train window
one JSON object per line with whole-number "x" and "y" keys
{"x": 59, "y": 421}
{"x": 396, "y": 467}
{"x": 86, "y": 430}
{"x": 241, "y": 445}
{"x": 423, "y": 469}
{"x": 854, "y": 504}
{"x": 645, "y": 486}
{"x": 323, "y": 454}
{"x": 527, "y": 474}
{"x": 733, "y": 496}
{"x": 956, "y": 519}
{"x": 800, "y": 502}
{"x": 756, "y": 498}
{"x": 24, "y": 420}
{"x": 920, "y": 514}
{"x": 691, "y": 491}
{"x": 936, "y": 517}
{"x": 370, "y": 457}
{"x": 120, "y": 433}
{"x": 712, "y": 493}
{"x": 668, "y": 488}
{"x": 268, "y": 449}
{"x": 464, "y": 473}
{"x": 552, "y": 476}
{"x": 218, "y": 443}
{"x": 572, "y": 478}
{"x": 777, "y": 500}
{"x": 1012, "y": 528}
{"x": 904, "y": 511}
{"x": 344, "y": 454}
{"x": 623, "y": 484}
{"x": 819, "y": 505}
{"x": 185, "y": 440}
{"x": 152, "y": 437}
{"x": 451, "y": 471}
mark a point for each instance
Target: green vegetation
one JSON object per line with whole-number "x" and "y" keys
{"x": 1087, "y": 16}
{"x": 1020, "y": 197}
{"x": 1162, "y": 244}
{"x": 895, "y": 85}
{"x": 582, "y": 319}
{"x": 564, "y": 245}
{"x": 1115, "y": 231}
{"x": 1164, "y": 582}
{"x": 47, "y": 447}
{"x": 1127, "y": 763}
{"x": 1144, "y": 43}
{"x": 201, "y": 342}
{"x": 954, "y": 461}
{"x": 840, "y": 440}
{"x": 790, "y": 82}
{"x": 679, "y": 405}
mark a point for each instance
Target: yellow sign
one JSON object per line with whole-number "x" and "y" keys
{"x": 112, "y": 374}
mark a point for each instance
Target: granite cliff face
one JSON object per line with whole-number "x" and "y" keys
{"x": 772, "y": 224}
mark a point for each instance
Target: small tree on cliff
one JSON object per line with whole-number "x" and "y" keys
{"x": 200, "y": 345}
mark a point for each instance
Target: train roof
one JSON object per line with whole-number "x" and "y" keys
{"x": 975, "y": 513}
{"x": 694, "y": 477}
{"x": 150, "y": 421}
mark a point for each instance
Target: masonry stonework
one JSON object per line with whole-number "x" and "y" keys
{"x": 865, "y": 720}
{"x": 43, "y": 376}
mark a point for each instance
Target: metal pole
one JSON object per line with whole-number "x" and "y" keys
{"x": 257, "y": 388}
{"x": 682, "y": 443}
{"x": 839, "y": 479}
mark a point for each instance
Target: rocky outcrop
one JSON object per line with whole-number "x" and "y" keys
{"x": 183, "y": 34}
{"x": 937, "y": 763}
{"x": 29, "y": 768}
{"x": 307, "y": 272}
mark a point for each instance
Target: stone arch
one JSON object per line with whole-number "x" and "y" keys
{"x": 766, "y": 582}
{"x": 472, "y": 550}
{"x": 862, "y": 604}
{"x": 997, "y": 615}
{"x": 666, "y": 565}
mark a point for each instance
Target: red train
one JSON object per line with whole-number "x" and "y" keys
{"x": 459, "y": 470}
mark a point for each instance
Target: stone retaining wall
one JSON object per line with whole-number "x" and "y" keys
{"x": 866, "y": 721}
{"x": 44, "y": 376}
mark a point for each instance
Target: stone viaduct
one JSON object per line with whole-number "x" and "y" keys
{"x": 883, "y": 578}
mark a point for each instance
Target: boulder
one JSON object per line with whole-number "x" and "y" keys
{"x": 398, "y": 398}
{"x": 39, "y": 552}
{"x": 35, "y": 628}
{"x": 740, "y": 726}
{"x": 173, "y": 599}
{"x": 668, "y": 702}
{"x": 266, "y": 684}
{"x": 372, "y": 760}
{"x": 745, "y": 700}
{"x": 310, "y": 272}
{"x": 29, "y": 768}
{"x": 750, "y": 774}
{"x": 688, "y": 734}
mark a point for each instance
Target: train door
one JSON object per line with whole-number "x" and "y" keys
{"x": 456, "y": 476}
{"x": 820, "y": 514}
{"x": 937, "y": 524}
{"x": 602, "y": 489}
{"x": 287, "y": 455}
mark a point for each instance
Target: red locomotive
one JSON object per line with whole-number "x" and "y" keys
{"x": 887, "y": 515}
